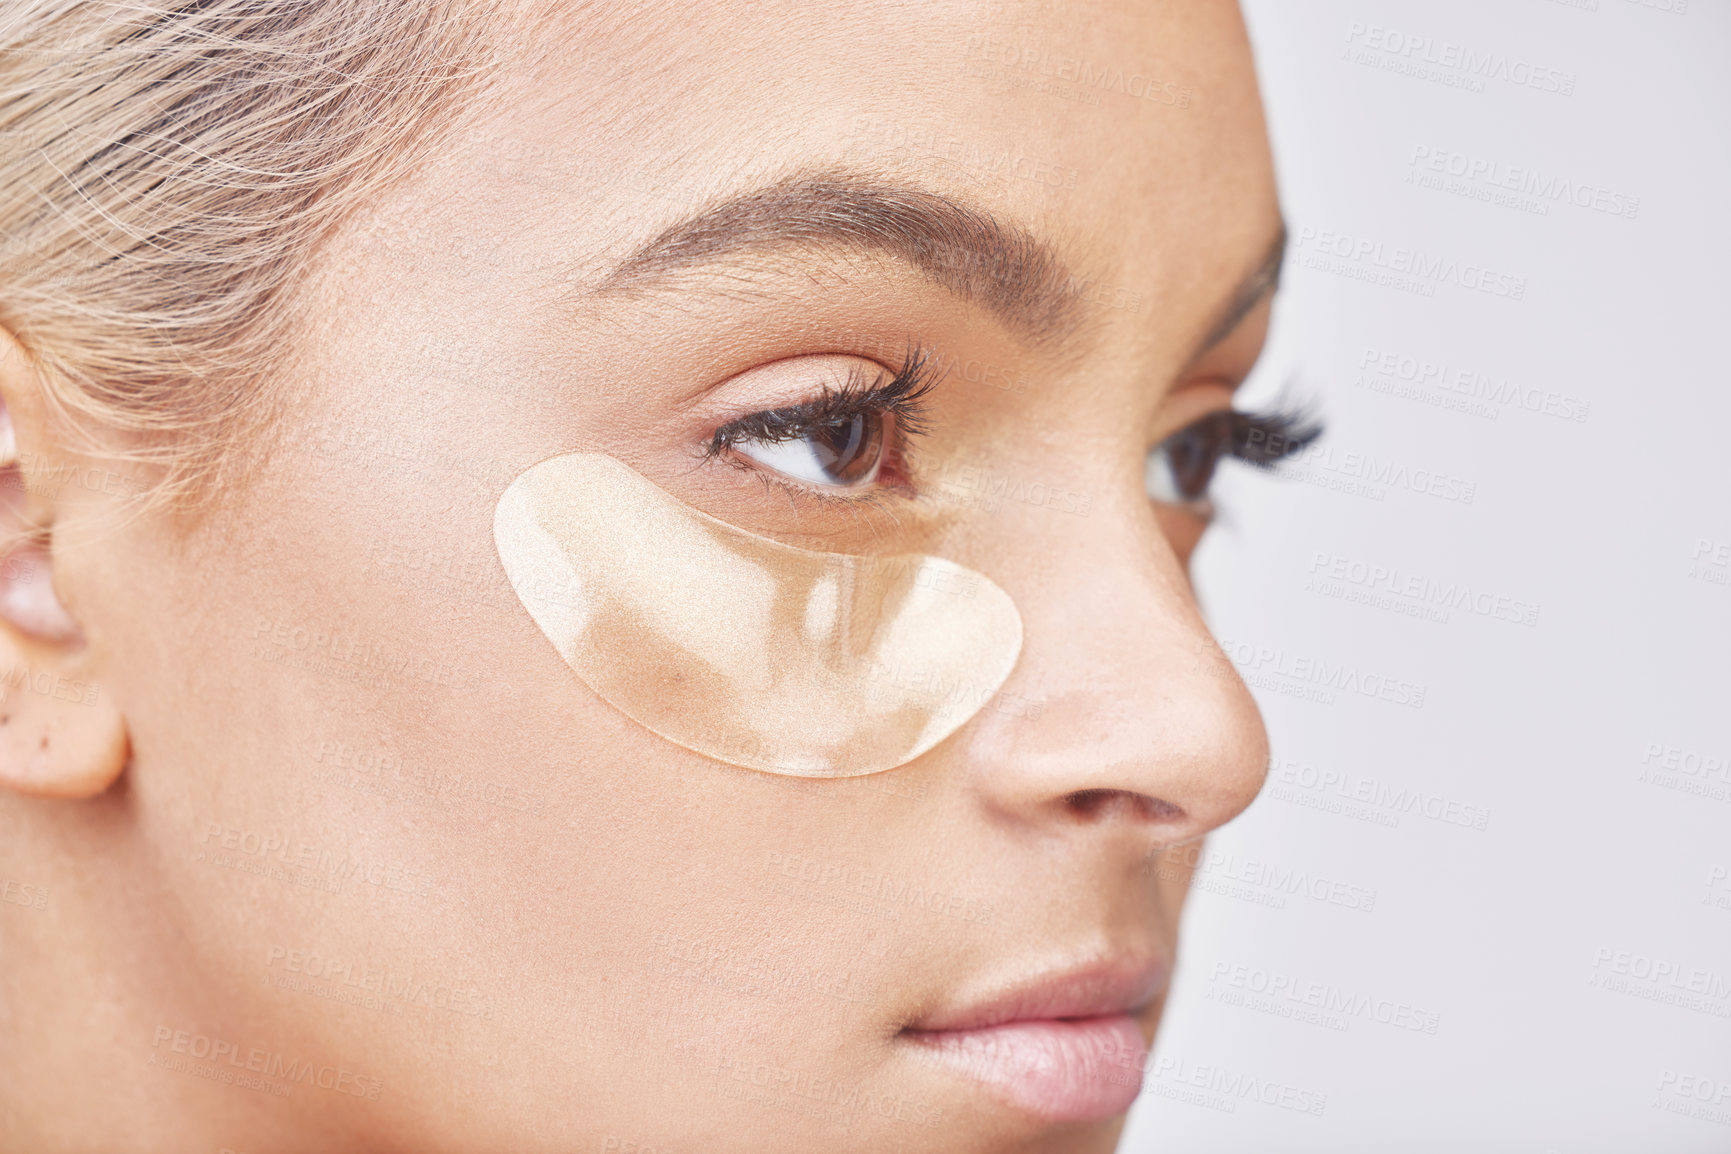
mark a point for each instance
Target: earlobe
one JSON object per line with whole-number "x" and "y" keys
{"x": 60, "y": 734}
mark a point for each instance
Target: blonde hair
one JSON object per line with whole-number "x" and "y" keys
{"x": 166, "y": 172}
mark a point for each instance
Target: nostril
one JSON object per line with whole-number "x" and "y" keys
{"x": 1095, "y": 804}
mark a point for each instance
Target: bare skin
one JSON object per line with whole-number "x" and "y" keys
{"x": 323, "y": 727}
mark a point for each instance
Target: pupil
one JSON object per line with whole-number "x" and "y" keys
{"x": 1194, "y": 452}
{"x": 842, "y": 447}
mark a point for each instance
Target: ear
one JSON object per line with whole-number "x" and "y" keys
{"x": 61, "y": 734}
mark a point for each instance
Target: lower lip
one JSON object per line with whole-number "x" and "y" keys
{"x": 1060, "y": 1070}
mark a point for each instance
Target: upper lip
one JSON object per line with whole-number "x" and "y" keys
{"x": 1111, "y": 986}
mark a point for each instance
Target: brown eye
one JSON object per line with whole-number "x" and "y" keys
{"x": 844, "y": 453}
{"x": 1181, "y": 467}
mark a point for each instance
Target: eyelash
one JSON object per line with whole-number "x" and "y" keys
{"x": 1261, "y": 439}
{"x": 901, "y": 395}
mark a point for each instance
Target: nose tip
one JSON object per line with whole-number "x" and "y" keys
{"x": 1135, "y": 717}
{"x": 1179, "y": 760}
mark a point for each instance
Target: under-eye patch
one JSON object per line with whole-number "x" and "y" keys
{"x": 745, "y": 649}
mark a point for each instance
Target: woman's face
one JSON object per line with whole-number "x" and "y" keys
{"x": 373, "y": 820}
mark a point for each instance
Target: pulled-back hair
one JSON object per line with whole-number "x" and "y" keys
{"x": 166, "y": 172}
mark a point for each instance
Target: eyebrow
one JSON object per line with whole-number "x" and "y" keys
{"x": 1260, "y": 284}
{"x": 1001, "y": 267}
{"x": 977, "y": 257}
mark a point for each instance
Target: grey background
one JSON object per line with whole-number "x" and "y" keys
{"x": 1497, "y": 916}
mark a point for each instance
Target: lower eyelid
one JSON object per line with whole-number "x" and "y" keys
{"x": 790, "y": 484}
{"x": 853, "y": 500}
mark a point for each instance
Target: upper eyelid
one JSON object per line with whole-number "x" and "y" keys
{"x": 891, "y": 390}
{"x": 790, "y": 413}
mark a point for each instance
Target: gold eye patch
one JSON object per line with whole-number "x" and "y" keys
{"x": 741, "y": 648}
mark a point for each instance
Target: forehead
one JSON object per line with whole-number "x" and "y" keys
{"x": 1127, "y": 135}
{"x": 1101, "y": 123}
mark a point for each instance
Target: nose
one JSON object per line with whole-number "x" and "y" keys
{"x": 1121, "y": 710}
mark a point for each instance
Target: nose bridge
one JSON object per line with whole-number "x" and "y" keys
{"x": 1119, "y": 687}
